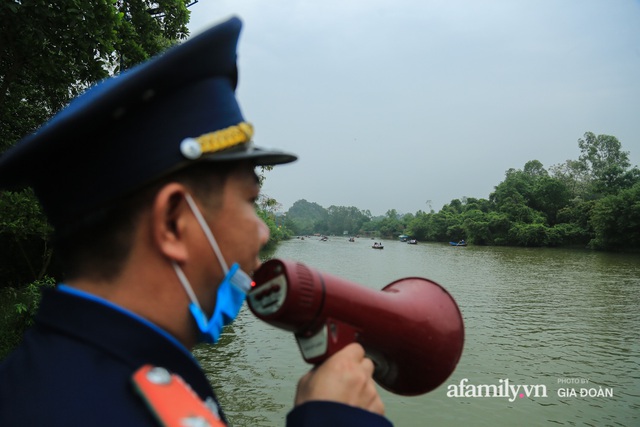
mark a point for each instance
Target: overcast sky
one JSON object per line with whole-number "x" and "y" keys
{"x": 392, "y": 104}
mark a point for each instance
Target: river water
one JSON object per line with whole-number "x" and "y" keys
{"x": 561, "y": 325}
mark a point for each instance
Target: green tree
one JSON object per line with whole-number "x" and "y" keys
{"x": 52, "y": 51}
{"x": 277, "y": 230}
{"x": 548, "y": 196}
{"x": 602, "y": 168}
{"x": 575, "y": 219}
{"x": 574, "y": 176}
{"x": 349, "y": 219}
{"x": 17, "y": 312}
{"x": 447, "y": 224}
{"x": 530, "y": 195}
{"x": 390, "y": 226}
{"x": 371, "y": 227}
{"x": 305, "y": 217}
{"x": 511, "y": 195}
{"x": 149, "y": 27}
{"x": 49, "y": 53}
{"x": 418, "y": 227}
{"x": 616, "y": 220}
{"x": 267, "y": 209}
{"x": 499, "y": 226}
{"x": 521, "y": 234}
{"x": 601, "y": 153}
{"x": 534, "y": 168}
{"x": 24, "y": 240}
{"x": 476, "y": 227}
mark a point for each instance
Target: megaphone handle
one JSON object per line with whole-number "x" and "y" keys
{"x": 332, "y": 336}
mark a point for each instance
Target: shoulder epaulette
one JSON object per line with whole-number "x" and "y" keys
{"x": 172, "y": 401}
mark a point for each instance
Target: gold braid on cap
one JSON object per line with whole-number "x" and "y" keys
{"x": 225, "y": 138}
{"x": 194, "y": 148}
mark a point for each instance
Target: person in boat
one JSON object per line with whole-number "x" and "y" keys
{"x": 148, "y": 179}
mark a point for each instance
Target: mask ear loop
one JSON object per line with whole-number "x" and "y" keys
{"x": 185, "y": 284}
{"x": 198, "y": 314}
{"x": 207, "y": 232}
{"x": 194, "y": 307}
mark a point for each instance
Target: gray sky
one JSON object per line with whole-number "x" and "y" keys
{"x": 390, "y": 104}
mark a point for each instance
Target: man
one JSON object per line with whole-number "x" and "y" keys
{"x": 148, "y": 180}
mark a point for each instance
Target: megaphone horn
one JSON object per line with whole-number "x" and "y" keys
{"x": 412, "y": 329}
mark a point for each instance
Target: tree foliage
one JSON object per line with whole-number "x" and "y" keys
{"x": 149, "y": 27}
{"x": 49, "y": 53}
{"x": 24, "y": 239}
{"x": 17, "y": 312}
{"x": 52, "y": 51}
{"x": 345, "y": 220}
{"x": 616, "y": 220}
{"x": 305, "y": 218}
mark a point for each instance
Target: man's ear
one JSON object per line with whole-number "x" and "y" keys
{"x": 169, "y": 216}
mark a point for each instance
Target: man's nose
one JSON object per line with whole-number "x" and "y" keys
{"x": 263, "y": 233}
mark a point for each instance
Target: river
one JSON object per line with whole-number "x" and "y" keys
{"x": 561, "y": 325}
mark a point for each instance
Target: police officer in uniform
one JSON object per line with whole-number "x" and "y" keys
{"x": 148, "y": 179}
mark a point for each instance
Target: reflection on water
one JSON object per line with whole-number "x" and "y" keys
{"x": 565, "y": 319}
{"x": 250, "y": 371}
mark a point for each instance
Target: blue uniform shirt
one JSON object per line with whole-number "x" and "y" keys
{"x": 74, "y": 367}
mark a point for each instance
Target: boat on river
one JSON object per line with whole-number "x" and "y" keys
{"x": 412, "y": 242}
{"x": 378, "y": 246}
{"x": 460, "y": 243}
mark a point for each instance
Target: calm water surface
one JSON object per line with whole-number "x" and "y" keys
{"x": 566, "y": 321}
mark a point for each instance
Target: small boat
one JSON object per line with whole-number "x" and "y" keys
{"x": 378, "y": 246}
{"x": 412, "y": 242}
{"x": 351, "y": 239}
{"x": 460, "y": 243}
{"x": 324, "y": 238}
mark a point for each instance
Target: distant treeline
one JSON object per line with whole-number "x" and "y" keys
{"x": 592, "y": 202}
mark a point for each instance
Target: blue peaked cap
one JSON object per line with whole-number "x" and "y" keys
{"x": 130, "y": 130}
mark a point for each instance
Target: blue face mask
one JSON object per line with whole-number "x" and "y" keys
{"x": 228, "y": 304}
{"x": 231, "y": 292}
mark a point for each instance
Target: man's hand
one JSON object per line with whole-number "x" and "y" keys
{"x": 345, "y": 377}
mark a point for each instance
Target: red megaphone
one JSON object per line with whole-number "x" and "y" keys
{"x": 412, "y": 329}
